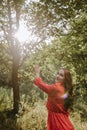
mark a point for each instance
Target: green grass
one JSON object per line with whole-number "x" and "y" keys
{"x": 30, "y": 117}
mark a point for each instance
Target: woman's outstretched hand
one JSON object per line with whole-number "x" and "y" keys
{"x": 37, "y": 70}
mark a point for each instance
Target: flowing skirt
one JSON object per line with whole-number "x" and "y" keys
{"x": 58, "y": 121}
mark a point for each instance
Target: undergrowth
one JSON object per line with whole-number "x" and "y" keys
{"x": 31, "y": 116}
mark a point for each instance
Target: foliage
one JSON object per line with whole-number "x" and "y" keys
{"x": 76, "y": 54}
{"x": 52, "y": 17}
{"x": 5, "y": 65}
{"x": 5, "y": 98}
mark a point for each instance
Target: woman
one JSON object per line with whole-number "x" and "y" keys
{"x": 59, "y": 99}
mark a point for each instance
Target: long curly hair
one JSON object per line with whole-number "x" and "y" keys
{"x": 69, "y": 88}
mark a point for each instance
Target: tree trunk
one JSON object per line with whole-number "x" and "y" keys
{"x": 16, "y": 96}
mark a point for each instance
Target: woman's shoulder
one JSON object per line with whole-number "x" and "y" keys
{"x": 60, "y": 86}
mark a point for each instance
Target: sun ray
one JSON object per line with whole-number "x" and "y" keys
{"x": 22, "y": 34}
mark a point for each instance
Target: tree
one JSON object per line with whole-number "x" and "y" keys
{"x": 77, "y": 41}
{"x": 11, "y": 8}
{"x": 15, "y": 52}
{"x": 51, "y": 18}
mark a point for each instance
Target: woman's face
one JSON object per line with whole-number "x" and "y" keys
{"x": 60, "y": 76}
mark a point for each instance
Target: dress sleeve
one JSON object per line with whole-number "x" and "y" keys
{"x": 43, "y": 86}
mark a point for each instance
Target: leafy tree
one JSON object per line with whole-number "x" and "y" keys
{"x": 77, "y": 54}
{"x": 52, "y": 17}
{"x": 14, "y": 50}
{"x": 9, "y": 25}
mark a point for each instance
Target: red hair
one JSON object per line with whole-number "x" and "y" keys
{"x": 67, "y": 79}
{"x": 69, "y": 88}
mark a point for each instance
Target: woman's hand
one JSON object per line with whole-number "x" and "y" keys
{"x": 37, "y": 70}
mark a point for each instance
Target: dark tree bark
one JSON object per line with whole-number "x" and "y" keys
{"x": 16, "y": 96}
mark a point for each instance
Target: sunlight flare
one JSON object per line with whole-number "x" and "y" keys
{"x": 23, "y": 34}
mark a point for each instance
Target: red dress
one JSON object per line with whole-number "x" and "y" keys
{"x": 58, "y": 117}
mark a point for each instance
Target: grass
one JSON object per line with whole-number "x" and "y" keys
{"x": 30, "y": 117}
